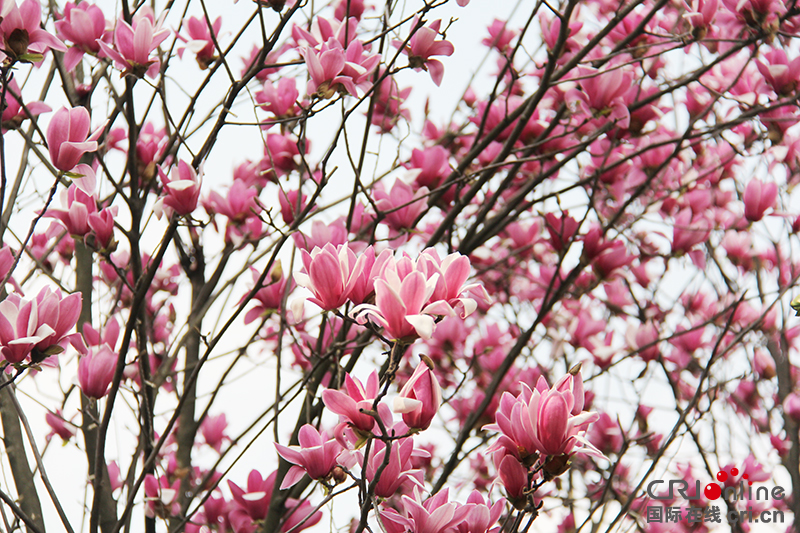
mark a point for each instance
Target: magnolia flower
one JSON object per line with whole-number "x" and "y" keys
{"x": 84, "y": 25}
{"x": 420, "y": 398}
{"x": 400, "y": 306}
{"x": 355, "y": 397}
{"x": 68, "y": 137}
{"x": 80, "y": 206}
{"x": 22, "y": 36}
{"x": 133, "y": 45}
{"x": 548, "y": 421}
{"x": 330, "y": 273}
{"x": 200, "y": 40}
{"x": 182, "y": 191}
{"x": 422, "y": 46}
{"x": 758, "y": 197}
{"x": 37, "y": 328}
{"x": 314, "y": 456}
{"x": 96, "y": 371}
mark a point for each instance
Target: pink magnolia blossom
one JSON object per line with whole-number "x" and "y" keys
{"x": 333, "y": 69}
{"x": 550, "y": 421}
{"x": 330, "y": 274}
{"x": 758, "y": 197}
{"x": 349, "y": 402}
{"x": 364, "y": 287}
{"x": 401, "y": 205}
{"x": 514, "y": 478}
{"x": 13, "y": 112}
{"x": 22, "y": 36}
{"x": 213, "y": 431}
{"x": 388, "y": 109}
{"x": 251, "y": 506}
{"x": 268, "y": 298}
{"x": 38, "y": 327}
{"x": 68, "y": 137}
{"x": 59, "y": 426}
{"x": 689, "y": 230}
{"x": 322, "y": 234}
{"x": 238, "y": 204}
{"x": 161, "y": 496}
{"x": 499, "y": 36}
{"x": 451, "y": 285}
{"x": 422, "y": 46}
{"x": 791, "y": 406}
{"x": 346, "y": 9}
{"x": 83, "y": 25}
{"x": 400, "y": 306}
{"x": 200, "y": 40}
{"x": 315, "y": 456}
{"x": 102, "y": 224}
{"x": 435, "y": 515}
{"x": 292, "y": 203}
{"x": 96, "y": 370}
{"x": 399, "y": 470}
{"x": 480, "y": 516}
{"x": 420, "y": 398}
{"x": 603, "y": 94}
{"x": 134, "y": 44}
{"x": 80, "y": 206}
{"x": 780, "y": 73}
{"x": 323, "y": 29}
{"x": 701, "y": 14}
{"x": 281, "y": 100}
{"x": 182, "y": 190}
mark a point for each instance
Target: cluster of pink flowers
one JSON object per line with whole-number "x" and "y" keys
{"x": 337, "y": 61}
{"x": 409, "y": 294}
{"x": 538, "y": 427}
{"x": 37, "y": 328}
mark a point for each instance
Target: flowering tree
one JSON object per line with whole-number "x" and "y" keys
{"x": 538, "y": 295}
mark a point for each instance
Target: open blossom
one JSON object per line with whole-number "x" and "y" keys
{"x": 315, "y": 456}
{"x": 420, "y": 398}
{"x": 451, "y": 285}
{"x": 23, "y": 38}
{"x": 603, "y": 93}
{"x": 281, "y": 100}
{"x": 182, "y": 190}
{"x": 161, "y": 496}
{"x": 200, "y": 40}
{"x": 401, "y": 205}
{"x": 330, "y": 273}
{"x": 83, "y": 25}
{"x": 400, "y": 306}
{"x": 134, "y": 44}
{"x": 547, "y": 421}
{"x": 38, "y": 327}
{"x": 213, "y": 430}
{"x": 269, "y": 297}
{"x": 435, "y": 515}
{"x": 251, "y": 506}
{"x": 422, "y": 46}
{"x": 348, "y": 403}
{"x": 13, "y": 112}
{"x": 68, "y": 137}
{"x": 398, "y": 472}
{"x": 59, "y": 426}
{"x": 333, "y": 69}
{"x": 409, "y": 295}
{"x": 80, "y": 205}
